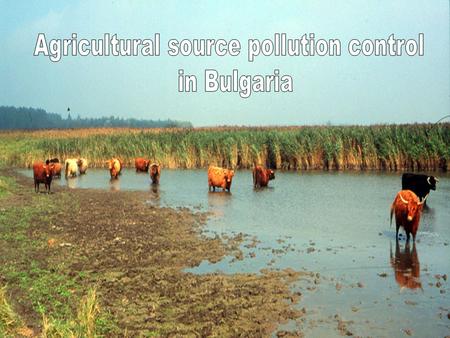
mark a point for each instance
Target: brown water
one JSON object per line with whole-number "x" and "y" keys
{"x": 333, "y": 224}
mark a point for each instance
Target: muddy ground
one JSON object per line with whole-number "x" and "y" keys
{"x": 134, "y": 253}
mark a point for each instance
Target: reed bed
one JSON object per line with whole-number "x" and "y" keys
{"x": 414, "y": 147}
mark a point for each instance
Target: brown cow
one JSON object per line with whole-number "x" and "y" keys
{"x": 220, "y": 177}
{"x": 141, "y": 164}
{"x": 406, "y": 266}
{"x": 155, "y": 172}
{"x": 43, "y": 173}
{"x": 262, "y": 176}
{"x": 407, "y": 209}
{"x": 56, "y": 167}
{"x": 115, "y": 167}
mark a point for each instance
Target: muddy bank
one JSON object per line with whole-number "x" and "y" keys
{"x": 135, "y": 254}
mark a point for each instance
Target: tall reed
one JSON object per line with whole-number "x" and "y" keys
{"x": 387, "y": 147}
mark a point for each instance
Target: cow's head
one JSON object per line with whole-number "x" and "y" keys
{"x": 49, "y": 170}
{"x": 413, "y": 207}
{"x": 229, "y": 175}
{"x": 271, "y": 174}
{"x": 432, "y": 182}
{"x": 110, "y": 164}
{"x": 154, "y": 169}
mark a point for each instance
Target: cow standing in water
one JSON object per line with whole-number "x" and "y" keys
{"x": 419, "y": 184}
{"x": 82, "y": 165}
{"x": 220, "y": 177}
{"x": 115, "y": 167}
{"x": 71, "y": 166}
{"x": 43, "y": 173}
{"x": 407, "y": 209}
{"x": 155, "y": 173}
{"x": 56, "y": 167}
{"x": 262, "y": 176}
{"x": 141, "y": 164}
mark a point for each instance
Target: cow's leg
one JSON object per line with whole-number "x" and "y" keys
{"x": 396, "y": 232}
{"x": 407, "y": 236}
{"x": 35, "y": 186}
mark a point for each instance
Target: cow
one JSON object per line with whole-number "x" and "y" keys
{"x": 43, "y": 173}
{"x": 419, "y": 184}
{"x": 262, "y": 176}
{"x": 220, "y": 177}
{"x": 115, "y": 167}
{"x": 407, "y": 209}
{"x": 56, "y": 167}
{"x": 406, "y": 267}
{"x": 71, "y": 166}
{"x": 141, "y": 164}
{"x": 82, "y": 165}
{"x": 155, "y": 172}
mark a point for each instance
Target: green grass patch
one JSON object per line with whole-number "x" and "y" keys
{"x": 37, "y": 280}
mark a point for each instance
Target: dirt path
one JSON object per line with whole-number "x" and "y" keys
{"x": 135, "y": 253}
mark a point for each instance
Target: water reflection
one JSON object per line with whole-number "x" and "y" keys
{"x": 114, "y": 184}
{"x": 406, "y": 266}
{"x": 71, "y": 182}
{"x": 218, "y": 201}
{"x": 154, "y": 193}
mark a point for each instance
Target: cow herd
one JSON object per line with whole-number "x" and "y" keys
{"x": 406, "y": 207}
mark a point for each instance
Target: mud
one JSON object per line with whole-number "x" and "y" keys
{"x": 136, "y": 253}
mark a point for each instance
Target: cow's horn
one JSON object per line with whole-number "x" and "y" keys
{"x": 436, "y": 179}
{"x": 403, "y": 200}
{"x": 423, "y": 200}
{"x": 428, "y": 180}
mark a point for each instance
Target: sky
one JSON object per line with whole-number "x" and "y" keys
{"x": 326, "y": 89}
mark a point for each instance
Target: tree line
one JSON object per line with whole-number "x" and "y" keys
{"x": 36, "y": 118}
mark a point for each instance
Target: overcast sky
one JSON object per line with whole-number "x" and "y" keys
{"x": 337, "y": 90}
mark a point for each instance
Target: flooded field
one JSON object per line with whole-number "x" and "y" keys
{"x": 334, "y": 225}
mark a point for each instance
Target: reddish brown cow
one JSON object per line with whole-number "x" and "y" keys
{"x": 262, "y": 176}
{"x": 115, "y": 167}
{"x": 407, "y": 209}
{"x": 141, "y": 164}
{"x": 220, "y": 177}
{"x": 406, "y": 266}
{"x": 43, "y": 173}
{"x": 155, "y": 173}
{"x": 56, "y": 167}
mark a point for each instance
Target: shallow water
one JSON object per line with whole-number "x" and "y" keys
{"x": 333, "y": 224}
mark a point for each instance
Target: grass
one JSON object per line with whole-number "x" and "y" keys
{"x": 388, "y": 147}
{"x": 34, "y": 280}
{"x": 9, "y": 320}
{"x": 85, "y": 325}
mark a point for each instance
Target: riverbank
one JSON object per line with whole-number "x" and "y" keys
{"x": 416, "y": 147}
{"x": 120, "y": 261}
